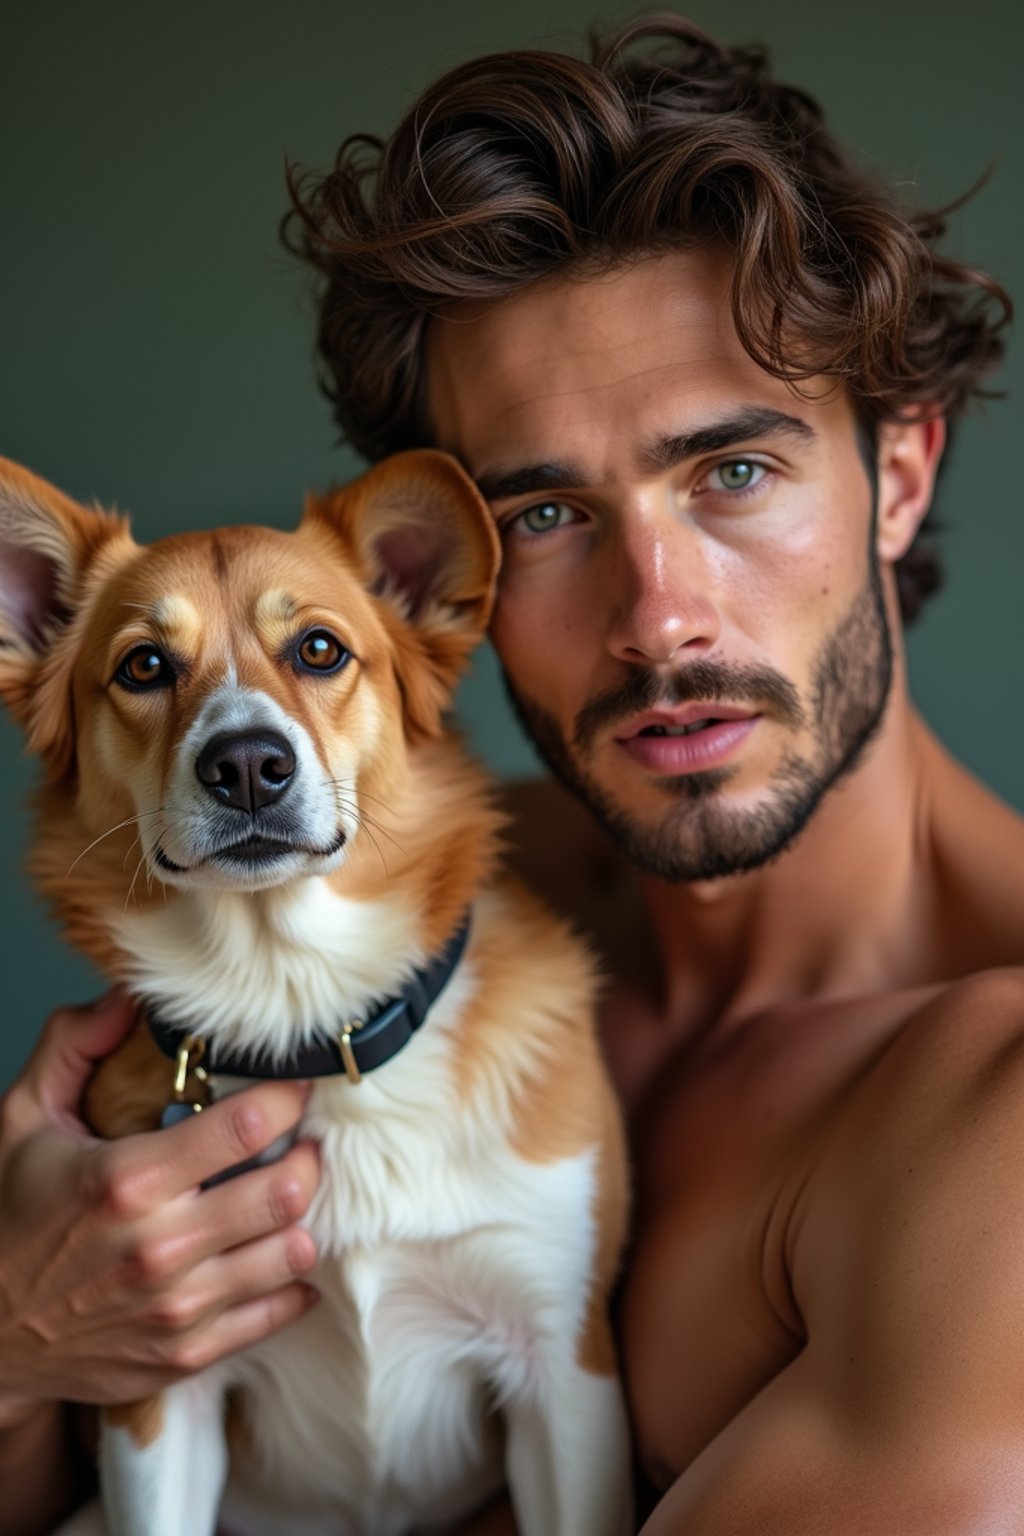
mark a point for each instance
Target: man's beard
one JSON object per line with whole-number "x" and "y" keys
{"x": 700, "y": 838}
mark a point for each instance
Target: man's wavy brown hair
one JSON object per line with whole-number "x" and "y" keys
{"x": 520, "y": 165}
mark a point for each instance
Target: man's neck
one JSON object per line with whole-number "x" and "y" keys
{"x": 836, "y": 915}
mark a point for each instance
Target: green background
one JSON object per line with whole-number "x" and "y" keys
{"x": 155, "y": 344}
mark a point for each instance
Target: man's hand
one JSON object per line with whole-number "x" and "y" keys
{"x": 118, "y": 1275}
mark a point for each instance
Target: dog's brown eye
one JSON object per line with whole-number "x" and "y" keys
{"x": 145, "y": 667}
{"x": 319, "y": 651}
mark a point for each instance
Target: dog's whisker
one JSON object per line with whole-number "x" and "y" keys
{"x": 158, "y": 834}
{"x": 131, "y": 888}
{"x": 109, "y": 833}
{"x": 366, "y": 820}
{"x": 131, "y": 848}
{"x": 380, "y": 854}
{"x": 363, "y": 818}
{"x": 362, "y": 794}
{"x": 353, "y": 808}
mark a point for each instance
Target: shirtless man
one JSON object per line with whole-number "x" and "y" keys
{"x": 811, "y": 912}
{"x": 815, "y": 1021}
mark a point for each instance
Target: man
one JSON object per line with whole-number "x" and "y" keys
{"x": 700, "y": 369}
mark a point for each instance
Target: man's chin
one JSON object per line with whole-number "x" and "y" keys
{"x": 701, "y": 835}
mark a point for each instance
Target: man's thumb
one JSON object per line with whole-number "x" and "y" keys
{"x": 72, "y": 1042}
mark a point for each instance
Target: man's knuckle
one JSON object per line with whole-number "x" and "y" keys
{"x": 189, "y": 1355}
{"x": 300, "y": 1252}
{"x": 148, "y": 1262}
{"x": 288, "y": 1201}
{"x": 173, "y": 1312}
{"x": 247, "y": 1128}
{"x": 115, "y": 1188}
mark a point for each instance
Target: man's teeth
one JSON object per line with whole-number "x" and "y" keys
{"x": 678, "y": 730}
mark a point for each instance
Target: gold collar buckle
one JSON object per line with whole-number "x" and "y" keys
{"x": 187, "y": 1065}
{"x": 348, "y": 1055}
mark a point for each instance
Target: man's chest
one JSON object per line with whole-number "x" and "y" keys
{"x": 724, "y": 1143}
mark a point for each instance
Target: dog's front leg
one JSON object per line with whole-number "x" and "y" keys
{"x": 163, "y": 1463}
{"x": 568, "y": 1460}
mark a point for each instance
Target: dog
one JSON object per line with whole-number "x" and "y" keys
{"x": 254, "y": 818}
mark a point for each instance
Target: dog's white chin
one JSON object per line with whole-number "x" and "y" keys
{"x": 237, "y": 875}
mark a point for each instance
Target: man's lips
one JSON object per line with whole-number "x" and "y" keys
{"x": 691, "y": 739}
{"x": 684, "y": 715}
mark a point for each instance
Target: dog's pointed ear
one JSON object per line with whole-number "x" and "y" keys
{"x": 426, "y": 545}
{"x": 49, "y": 547}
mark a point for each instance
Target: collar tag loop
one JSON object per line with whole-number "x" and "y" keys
{"x": 187, "y": 1064}
{"x": 348, "y": 1055}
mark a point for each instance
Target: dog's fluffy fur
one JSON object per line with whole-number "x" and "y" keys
{"x": 472, "y": 1200}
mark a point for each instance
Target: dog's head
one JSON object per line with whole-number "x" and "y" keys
{"x": 226, "y": 694}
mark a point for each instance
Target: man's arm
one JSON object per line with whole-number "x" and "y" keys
{"x": 117, "y": 1275}
{"x": 905, "y": 1410}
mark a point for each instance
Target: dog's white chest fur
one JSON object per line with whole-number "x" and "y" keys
{"x": 375, "y": 1409}
{"x": 454, "y": 1272}
{"x": 444, "y": 1254}
{"x": 263, "y": 970}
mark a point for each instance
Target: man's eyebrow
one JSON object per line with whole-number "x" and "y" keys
{"x": 498, "y": 485}
{"x": 754, "y": 421}
{"x": 663, "y": 453}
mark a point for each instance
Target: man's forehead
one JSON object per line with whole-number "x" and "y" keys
{"x": 643, "y": 354}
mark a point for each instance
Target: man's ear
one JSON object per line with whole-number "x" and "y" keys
{"x": 426, "y": 545}
{"x": 49, "y": 549}
{"x": 908, "y": 461}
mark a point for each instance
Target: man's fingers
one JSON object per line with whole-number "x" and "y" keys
{"x": 227, "y": 1133}
{"x": 202, "y": 1225}
{"x": 258, "y": 1202}
{"x": 241, "y": 1326}
{"x": 232, "y": 1279}
{"x": 72, "y": 1042}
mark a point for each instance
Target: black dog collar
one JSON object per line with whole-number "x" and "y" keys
{"x": 355, "y": 1047}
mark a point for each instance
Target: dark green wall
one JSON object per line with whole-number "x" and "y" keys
{"x": 155, "y": 345}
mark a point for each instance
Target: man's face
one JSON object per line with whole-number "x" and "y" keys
{"x": 690, "y": 615}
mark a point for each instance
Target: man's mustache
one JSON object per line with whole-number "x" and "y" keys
{"x": 697, "y": 683}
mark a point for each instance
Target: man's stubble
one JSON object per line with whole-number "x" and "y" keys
{"x": 700, "y": 837}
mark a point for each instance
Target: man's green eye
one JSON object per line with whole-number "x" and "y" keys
{"x": 738, "y": 474}
{"x": 545, "y": 516}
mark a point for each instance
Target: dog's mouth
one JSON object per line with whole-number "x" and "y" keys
{"x": 251, "y": 852}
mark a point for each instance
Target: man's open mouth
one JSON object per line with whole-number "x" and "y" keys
{"x": 691, "y": 738}
{"x": 680, "y": 730}
{"x": 685, "y": 720}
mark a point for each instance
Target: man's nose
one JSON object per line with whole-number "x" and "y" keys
{"x": 661, "y": 597}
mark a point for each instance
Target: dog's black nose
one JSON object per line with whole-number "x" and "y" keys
{"x": 246, "y": 769}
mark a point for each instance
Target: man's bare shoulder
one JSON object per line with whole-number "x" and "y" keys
{"x": 894, "y": 1247}
{"x": 926, "y": 1150}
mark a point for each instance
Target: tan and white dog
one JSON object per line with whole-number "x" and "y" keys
{"x": 223, "y": 717}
